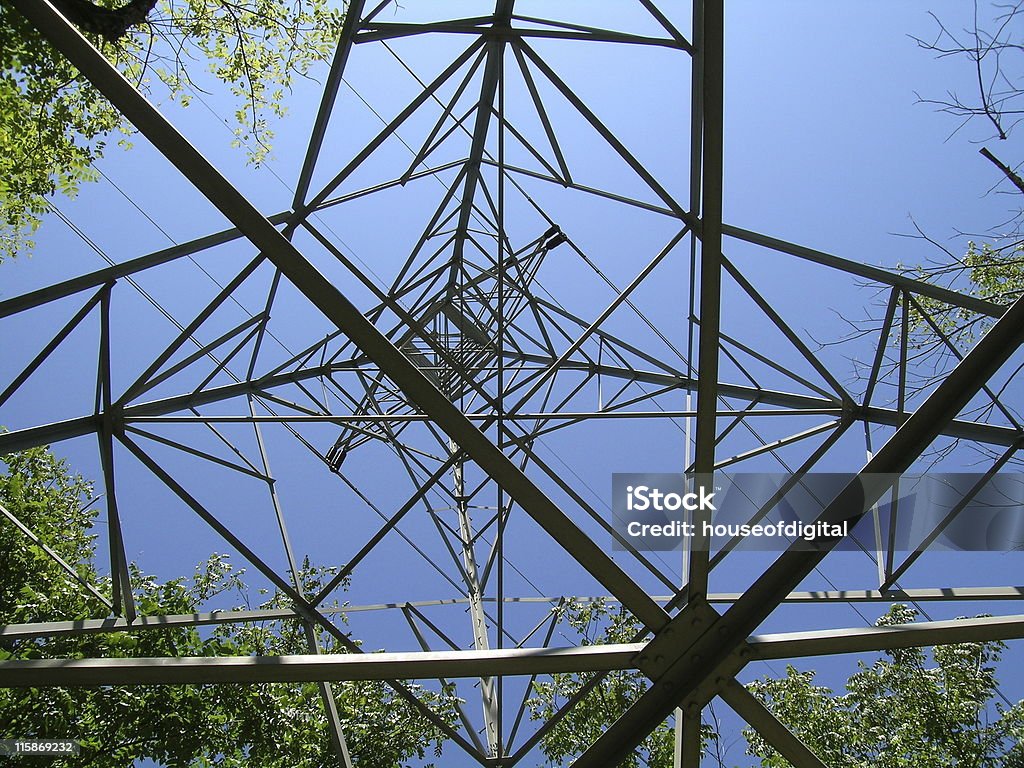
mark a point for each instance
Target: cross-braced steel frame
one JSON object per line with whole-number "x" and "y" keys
{"x": 461, "y": 364}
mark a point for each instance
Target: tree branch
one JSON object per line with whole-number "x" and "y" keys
{"x": 110, "y": 23}
{"x": 1018, "y": 182}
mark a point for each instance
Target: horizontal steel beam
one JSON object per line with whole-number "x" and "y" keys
{"x": 456, "y": 664}
{"x": 308, "y": 667}
{"x": 141, "y": 623}
{"x": 945, "y": 594}
{"x": 145, "y": 623}
{"x": 17, "y": 440}
{"x": 864, "y": 639}
{"x": 875, "y": 274}
{"x": 993, "y": 434}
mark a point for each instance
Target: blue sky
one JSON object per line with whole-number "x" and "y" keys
{"x": 825, "y": 146}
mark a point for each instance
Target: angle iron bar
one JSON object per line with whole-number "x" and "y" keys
{"x": 783, "y": 326}
{"x": 393, "y": 31}
{"x": 604, "y": 132}
{"x": 195, "y": 452}
{"x": 141, "y": 623}
{"x": 187, "y": 332}
{"x": 154, "y": 381}
{"x": 309, "y": 667}
{"x": 865, "y": 639}
{"x": 778, "y": 367}
{"x": 221, "y": 365}
{"x": 428, "y": 232}
{"x": 688, "y": 748}
{"x": 527, "y": 144}
{"x": 959, "y": 356}
{"x": 667, "y": 25}
{"x": 384, "y": 134}
{"x": 895, "y": 573}
{"x": 389, "y": 30}
{"x": 108, "y": 274}
{"x": 457, "y": 664}
{"x": 611, "y": 284}
{"x": 55, "y": 556}
{"x": 425, "y": 646}
{"x": 621, "y": 297}
{"x": 144, "y": 623}
{"x": 883, "y": 342}
{"x": 330, "y": 94}
{"x": 552, "y": 623}
{"x": 268, "y": 308}
{"x": 488, "y": 92}
{"x": 589, "y": 190}
{"x": 569, "y": 31}
{"x": 447, "y": 112}
{"x": 55, "y": 342}
{"x": 968, "y": 430}
{"x": 120, "y": 578}
{"x": 791, "y": 482}
{"x": 875, "y": 274}
{"x": 384, "y": 185}
{"x": 335, "y": 731}
{"x": 828, "y": 426}
{"x": 538, "y": 105}
{"x": 29, "y": 437}
{"x": 751, "y": 709}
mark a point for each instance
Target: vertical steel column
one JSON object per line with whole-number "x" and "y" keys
{"x": 696, "y": 148}
{"x": 481, "y": 642}
{"x": 708, "y": 78}
{"x": 711, "y": 54}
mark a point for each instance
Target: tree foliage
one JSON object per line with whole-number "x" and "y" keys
{"x": 909, "y": 708}
{"x": 264, "y": 725}
{"x": 989, "y": 272}
{"x": 54, "y": 125}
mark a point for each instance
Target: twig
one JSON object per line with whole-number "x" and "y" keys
{"x": 1007, "y": 171}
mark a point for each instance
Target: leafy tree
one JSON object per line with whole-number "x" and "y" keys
{"x": 909, "y": 708}
{"x": 54, "y": 125}
{"x": 264, "y": 725}
{"x": 993, "y": 273}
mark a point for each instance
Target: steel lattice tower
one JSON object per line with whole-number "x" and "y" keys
{"x": 466, "y": 351}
